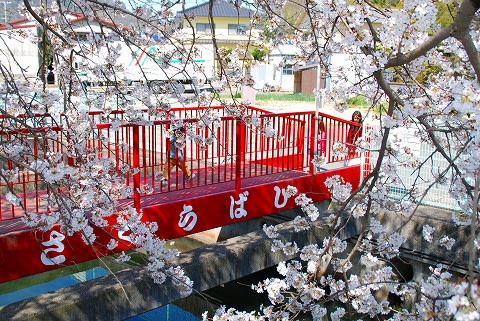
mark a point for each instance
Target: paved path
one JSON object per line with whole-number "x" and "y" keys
{"x": 327, "y": 108}
{"x": 295, "y": 106}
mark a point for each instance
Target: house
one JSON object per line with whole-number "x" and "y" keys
{"x": 339, "y": 64}
{"x": 142, "y": 64}
{"x": 21, "y": 51}
{"x": 231, "y": 23}
{"x": 230, "y": 26}
{"x": 277, "y": 73}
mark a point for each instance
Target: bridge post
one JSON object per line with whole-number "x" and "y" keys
{"x": 313, "y": 142}
{"x": 136, "y": 164}
{"x": 240, "y": 150}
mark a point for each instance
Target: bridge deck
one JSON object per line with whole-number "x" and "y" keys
{"x": 176, "y": 193}
{"x": 240, "y": 176}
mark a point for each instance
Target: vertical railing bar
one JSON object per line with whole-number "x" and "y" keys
{"x": 295, "y": 146}
{"x": 251, "y": 149}
{"x": 283, "y": 148}
{"x": 226, "y": 156}
{"x": 153, "y": 159}
{"x": 233, "y": 134}
{"x": 166, "y": 155}
{"x": 275, "y": 143}
{"x": 191, "y": 159}
{"x": 229, "y": 150}
{"x": 195, "y": 158}
{"x": 125, "y": 153}
{"x": 259, "y": 144}
{"x": 144, "y": 154}
{"x": 286, "y": 148}
{"x": 313, "y": 142}
{"x": 212, "y": 161}
{"x": 205, "y": 159}
{"x": 136, "y": 164}
{"x": 222, "y": 154}
{"x": 283, "y": 145}
{"x": 37, "y": 201}
{"x": 250, "y": 144}
{"x": 328, "y": 136}
{"x": 117, "y": 151}
{"x": 10, "y": 167}
{"x": 238, "y": 165}
{"x": 279, "y": 144}
{"x": 220, "y": 137}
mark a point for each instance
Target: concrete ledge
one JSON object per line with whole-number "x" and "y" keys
{"x": 132, "y": 292}
{"x": 411, "y": 229}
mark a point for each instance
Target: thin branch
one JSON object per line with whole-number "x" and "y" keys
{"x": 42, "y": 21}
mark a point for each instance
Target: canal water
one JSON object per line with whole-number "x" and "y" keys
{"x": 165, "y": 313}
{"x": 236, "y": 294}
{"x": 168, "y": 312}
{"x": 29, "y": 287}
{"x": 62, "y": 282}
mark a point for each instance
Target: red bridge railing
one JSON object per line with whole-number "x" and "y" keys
{"x": 231, "y": 153}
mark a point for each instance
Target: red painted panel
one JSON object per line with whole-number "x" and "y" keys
{"x": 205, "y": 212}
{"x": 26, "y": 253}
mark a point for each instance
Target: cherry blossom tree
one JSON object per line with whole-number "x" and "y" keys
{"x": 420, "y": 69}
{"x": 415, "y": 70}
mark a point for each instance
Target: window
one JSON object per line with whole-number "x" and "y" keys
{"x": 236, "y": 29}
{"x": 287, "y": 70}
{"x": 204, "y": 28}
{"x": 82, "y": 37}
{"x": 112, "y": 38}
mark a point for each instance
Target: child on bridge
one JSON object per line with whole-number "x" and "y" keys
{"x": 175, "y": 156}
{"x": 354, "y": 132}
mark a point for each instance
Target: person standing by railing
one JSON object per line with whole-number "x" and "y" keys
{"x": 321, "y": 138}
{"x": 176, "y": 157}
{"x": 354, "y": 132}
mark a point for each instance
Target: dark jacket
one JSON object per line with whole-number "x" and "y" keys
{"x": 174, "y": 151}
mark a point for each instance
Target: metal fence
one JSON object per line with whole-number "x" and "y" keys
{"x": 233, "y": 152}
{"x": 421, "y": 180}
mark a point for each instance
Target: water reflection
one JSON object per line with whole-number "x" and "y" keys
{"x": 59, "y": 283}
{"x": 168, "y": 312}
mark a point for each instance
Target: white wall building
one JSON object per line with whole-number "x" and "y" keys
{"x": 278, "y": 71}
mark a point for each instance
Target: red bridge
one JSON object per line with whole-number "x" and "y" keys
{"x": 240, "y": 175}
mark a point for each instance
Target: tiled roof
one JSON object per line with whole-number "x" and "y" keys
{"x": 220, "y": 8}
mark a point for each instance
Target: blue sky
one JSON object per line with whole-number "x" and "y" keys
{"x": 188, "y": 4}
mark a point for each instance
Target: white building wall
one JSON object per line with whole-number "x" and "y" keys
{"x": 342, "y": 64}
{"x": 25, "y": 55}
{"x": 272, "y": 75}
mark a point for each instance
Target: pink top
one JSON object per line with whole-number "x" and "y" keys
{"x": 322, "y": 142}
